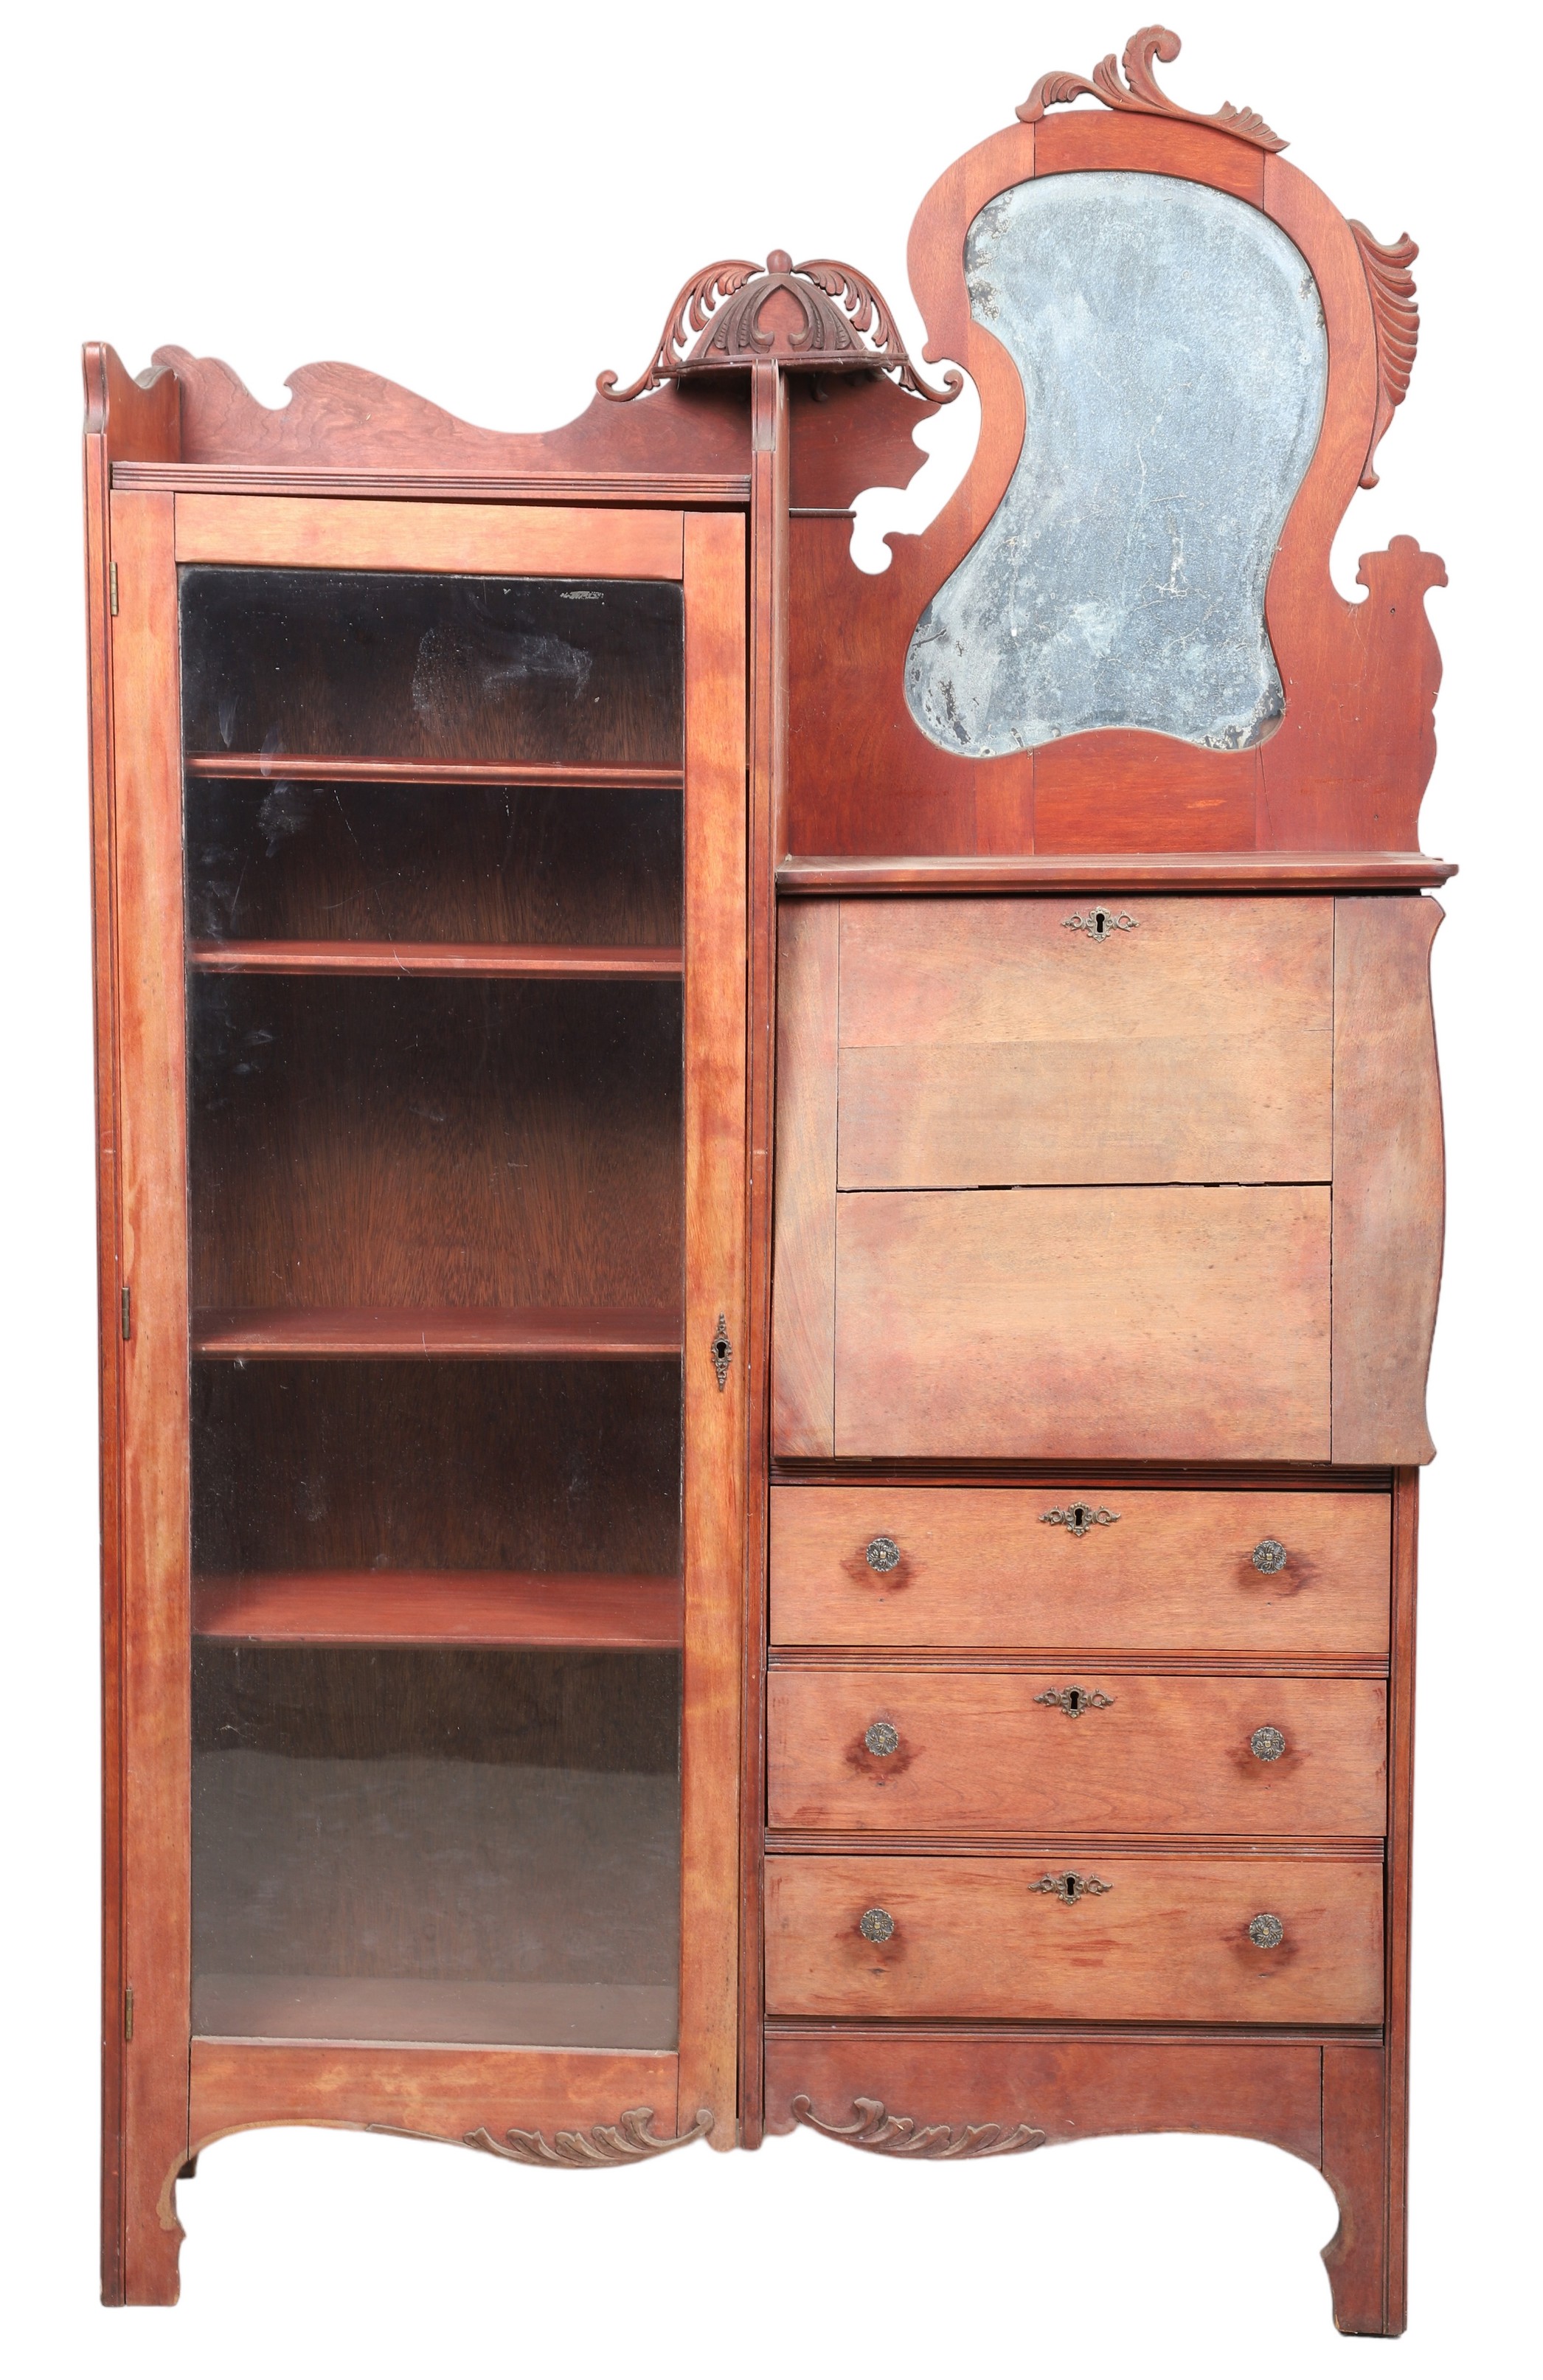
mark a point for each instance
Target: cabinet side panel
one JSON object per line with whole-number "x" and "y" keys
{"x": 804, "y": 1261}
{"x": 152, "y": 1098}
{"x": 715, "y": 1239}
{"x": 99, "y": 626}
{"x": 1389, "y": 1178}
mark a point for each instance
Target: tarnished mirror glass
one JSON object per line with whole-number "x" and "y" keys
{"x": 1174, "y": 357}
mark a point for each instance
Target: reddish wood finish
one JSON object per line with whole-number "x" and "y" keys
{"x": 604, "y": 1333}
{"x": 1389, "y": 1178}
{"x": 151, "y": 1125}
{"x": 1349, "y": 763}
{"x": 120, "y": 413}
{"x": 438, "y": 1606}
{"x": 1167, "y": 1943}
{"x": 340, "y": 420}
{"x": 305, "y": 533}
{"x": 1175, "y": 1571}
{"x": 548, "y": 962}
{"x": 1071, "y": 2089}
{"x": 1091, "y": 873}
{"x": 1189, "y": 1323}
{"x": 803, "y": 1375}
{"x": 1356, "y": 2165}
{"x": 1401, "y": 1816}
{"x": 716, "y": 1196}
{"x": 771, "y": 393}
{"x": 992, "y": 1042}
{"x": 326, "y": 768}
{"x": 442, "y": 2093}
{"x": 984, "y": 1752}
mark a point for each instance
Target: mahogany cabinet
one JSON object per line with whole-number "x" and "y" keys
{"x": 770, "y": 1237}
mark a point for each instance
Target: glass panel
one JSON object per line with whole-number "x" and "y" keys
{"x": 294, "y": 860}
{"x": 1174, "y": 360}
{"x": 359, "y": 661}
{"x": 436, "y": 1659}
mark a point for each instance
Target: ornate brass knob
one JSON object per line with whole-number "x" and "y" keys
{"x": 882, "y": 1738}
{"x": 1074, "y": 1700}
{"x": 881, "y": 1554}
{"x": 1270, "y": 1554}
{"x": 876, "y": 1924}
{"x": 1266, "y": 1744}
{"x": 1266, "y": 1932}
{"x": 1069, "y": 1887}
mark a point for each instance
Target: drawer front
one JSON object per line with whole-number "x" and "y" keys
{"x": 1168, "y": 1941}
{"x": 1171, "y": 1571}
{"x": 1072, "y": 1749}
{"x": 991, "y": 1042}
{"x": 1187, "y": 1324}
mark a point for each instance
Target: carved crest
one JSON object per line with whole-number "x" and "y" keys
{"x": 1140, "y": 94}
{"x": 816, "y": 317}
{"x": 1397, "y": 318}
{"x": 903, "y": 2136}
{"x": 627, "y": 2141}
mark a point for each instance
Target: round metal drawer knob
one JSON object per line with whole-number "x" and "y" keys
{"x": 876, "y": 1924}
{"x": 1266, "y": 1744}
{"x": 1270, "y": 1555}
{"x": 882, "y": 1738}
{"x": 1266, "y": 1932}
{"x": 881, "y": 1554}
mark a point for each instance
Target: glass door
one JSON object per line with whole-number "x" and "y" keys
{"x": 438, "y": 828}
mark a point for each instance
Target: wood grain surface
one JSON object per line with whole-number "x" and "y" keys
{"x": 1389, "y": 1178}
{"x": 438, "y": 1606}
{"x": 1173, "y": 1570}
{"x": 1070, "y": 2090}
{"x": 803, "y": 1258}
{"x": 443, "y": 2093}
{"x": 985, "y": 1752}
{"x": 997, "y": 1042}
{"x": 1182, "y": 1323}
{"x": 715, "y": 1215}
{"x": 552, "y": 1333}
{"x": 152, "y": 1161}
{"x": 1167, "y": 1943}
{"x": 320, "y": 532}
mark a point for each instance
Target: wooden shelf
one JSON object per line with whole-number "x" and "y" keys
{"x": 384, "y": 768}
{"x": 544, "y": 962}
{"x": 441, "y": 1606}
{"x": 587, "y": 1332}
{"x": 1092, "y": 872}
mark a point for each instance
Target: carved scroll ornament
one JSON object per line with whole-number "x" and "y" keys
{"x": 1397, "y": 320}
{"x": 628, "y": 2142}
{"x": 1139, "y": 93}
{"x": 903, "y": 2136}
{"x": 816, "y": 317}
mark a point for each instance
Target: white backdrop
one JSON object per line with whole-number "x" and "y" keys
{"x": 490, "y": 204}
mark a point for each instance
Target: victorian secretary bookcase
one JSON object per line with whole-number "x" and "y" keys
{"x": 770, "y": 1237}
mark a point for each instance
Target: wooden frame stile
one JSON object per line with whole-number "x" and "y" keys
{"x": 155, "y": 1584}
{"x": 771, "y": 452}
{"x": 144, "y": 413}
{"x": 716, "y": 1191}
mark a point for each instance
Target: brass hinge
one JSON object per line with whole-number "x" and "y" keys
{"x": 125, "y": 1310}
{"x": 113, "y": 588}
{"x": 129, "y": 2011}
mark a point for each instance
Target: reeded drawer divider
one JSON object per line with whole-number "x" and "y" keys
{"x": 978, "y": 1658}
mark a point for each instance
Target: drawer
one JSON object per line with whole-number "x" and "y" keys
{"x": 996, "y": 1752}
{"x": 1166, "y": 1940}
{"x": 986, "y": 1041}
{"x": 1171, "y": 1571}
